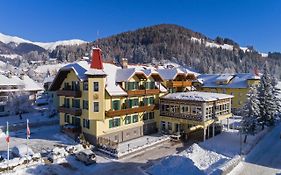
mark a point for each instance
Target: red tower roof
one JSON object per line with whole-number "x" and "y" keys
{"x": 96, "y": 59}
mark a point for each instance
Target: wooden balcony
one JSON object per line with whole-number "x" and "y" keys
{"x": 182, "y": 116}
{"x": 141, "y": 92}
{"x": 152, "y": 91}
{"x": 72, "y": 111}
{"x": 136, "y": 92}
{"x": 179, "y": 83}
{"x": 69, "y": 93}
{"x": 120, "y": 112}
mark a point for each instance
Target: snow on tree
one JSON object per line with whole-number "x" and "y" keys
{"x": 276, "y": 95}
{"x": 19, "y": 102}
{"x": 266, "y": 99}
{"x": 250, "y": 113}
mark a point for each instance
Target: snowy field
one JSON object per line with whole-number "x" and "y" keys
{"x": 206, "y": 157}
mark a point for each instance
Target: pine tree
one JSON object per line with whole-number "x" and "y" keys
{"x": 276, "y": 95}
{"x": 250, "y": 112}
{"x": 266, "y": 99}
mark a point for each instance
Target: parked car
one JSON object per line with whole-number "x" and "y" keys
{"x": 87, "y": 156}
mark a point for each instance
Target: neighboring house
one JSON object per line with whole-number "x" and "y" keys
{"x": 106, "y": 102}
{"x": 233, "y": 84}
{"x": 14, "y": 89}
{"x": 50, "y": 97}
{"x": 187, "y": 113}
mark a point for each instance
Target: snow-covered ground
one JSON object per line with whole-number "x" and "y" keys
{"x": 206, "y": 157}
{"x": 265, "y": 158}
{"x": 34, "y": 117}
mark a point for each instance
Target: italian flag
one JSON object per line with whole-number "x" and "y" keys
{"x": 7, "y": 133}
{"x": 27, "y": 129}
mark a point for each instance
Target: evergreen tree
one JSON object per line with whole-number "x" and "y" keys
{"x": 266, "y": 99}
{"x": 276, "y": 95}
{"x": 250, "y": 113}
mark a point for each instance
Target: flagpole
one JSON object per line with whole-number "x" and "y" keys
{"x": 27, "y": 141}
{"x": 8, "y": 151}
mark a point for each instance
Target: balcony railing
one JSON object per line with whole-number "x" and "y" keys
{"x": 120, "y": 112}
{"x": 139, "y": 92}
{"x": 69, "y": 93}
{"x": 182, "y": 116}
{"x": 179, "y": 83}
{"x": 72, "y": 111}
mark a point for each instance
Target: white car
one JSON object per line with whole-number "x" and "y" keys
{"x": 87, "y": 156}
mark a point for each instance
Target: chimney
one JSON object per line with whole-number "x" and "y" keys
{"x": 96, "y": 59}
{"x": 124, "y": 63}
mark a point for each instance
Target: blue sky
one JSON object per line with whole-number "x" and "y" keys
{"x": 249, "y": 22}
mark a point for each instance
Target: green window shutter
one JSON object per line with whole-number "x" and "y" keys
{"x": 130, "y": 103}
{"x": 110, "y": 123}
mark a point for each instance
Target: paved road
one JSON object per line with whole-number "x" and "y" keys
{"x": 265, "y": 158}
{"x": 135, "y": 164}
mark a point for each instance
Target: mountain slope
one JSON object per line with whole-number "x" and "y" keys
{"x": 6, "y": 39}
{"x": 164, "y": 42}
{"x": 184, "y": 46}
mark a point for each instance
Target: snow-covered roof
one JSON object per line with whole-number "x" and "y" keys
{"x": 114, "y": 75}
{"x": 126, "y": 74}
{"x": 111, "y": 86}
{"x": 80, "y": 68}
{"x": 169, "y": 74}
{"x": 24, "y": 83}
{"x": 30, "y": 85}
{"x": 5, "y": 81}
{"x": 197, "y": 96}
{"x": 237, "y": 80}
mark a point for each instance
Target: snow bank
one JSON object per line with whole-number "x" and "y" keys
{"x": 175, "y": 165}
{"x": 202, "y": 158}
{"x": 194, "y": 160}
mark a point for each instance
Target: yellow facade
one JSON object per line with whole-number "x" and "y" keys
{"x": 98, "y": 121}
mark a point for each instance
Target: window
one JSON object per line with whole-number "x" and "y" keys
{"x": 66, "y": 102}
{"x": 131, "y": 85}
{"x": 145, "y": 116}
{"x": 75, "y": 103}
{"x": 150, "y": 85}
{"x": 76, "y": 121}
{"x": 151, "y": 100}
{"x": 148, "y": 116}
{"x": 75, "y": 85}
{"x": 145, "y": 101}
{"x": 128, "y": 120}
{"x": 151, "y": 115}
{"x": 96, "y": 106}
{"x": 134, "y": 102}
{"x": 193, "y": 110}
{"x": 116, "y": 104}
{"x": 169, "y": 126}
{"x": 86, "y": 123}
{"x": 198, "y": 110}
{"x": 135, "y": 118}
{"x": 184, "y": 109}
{"x": 96, "y": 86}
{"x": 85, "y": 85}
{"x": 66, "y": 118}
{"x": 85, "y": 104}
{"x": 115, "y": 122}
